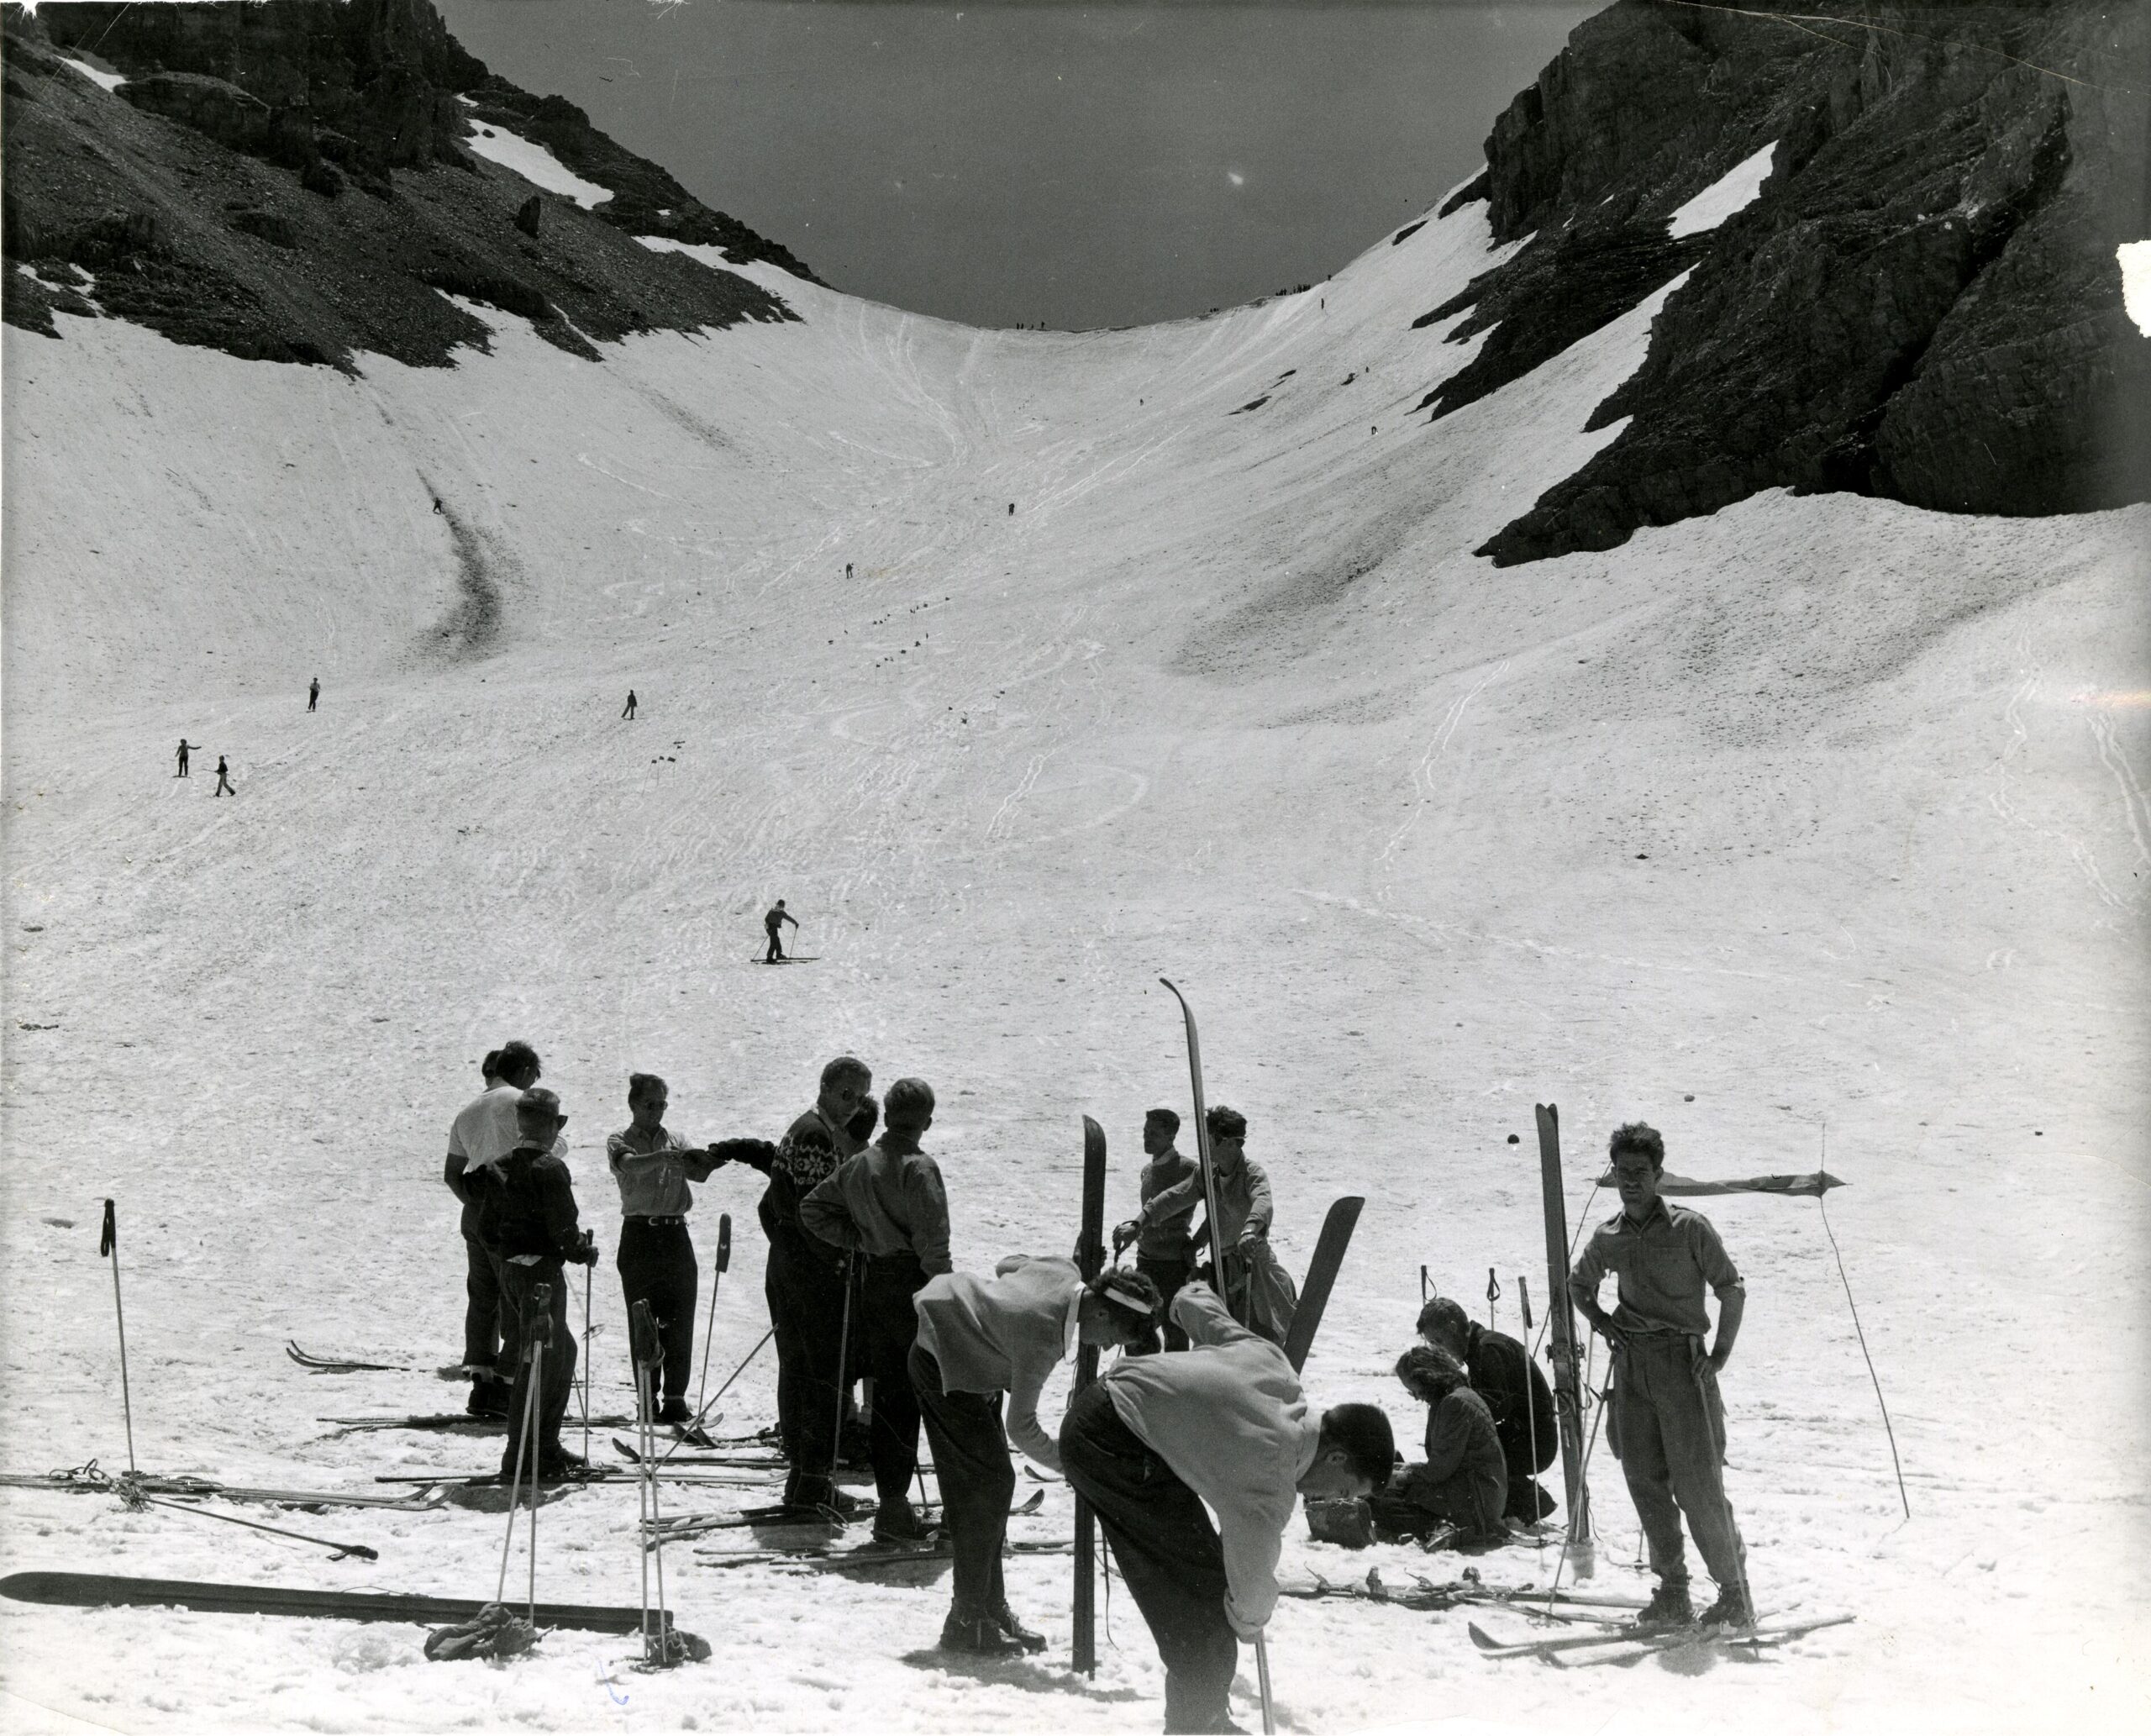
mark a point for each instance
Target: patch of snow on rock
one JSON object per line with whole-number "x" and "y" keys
{"x": 536, "y": 165}
{"x": 1735, "y": 190}
{"x": 107, "y": 81}
{"x": 2135, "y": 257}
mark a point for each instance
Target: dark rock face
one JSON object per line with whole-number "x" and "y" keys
{"x": 211, "y": 197}
{"x": 1922, "y": 304}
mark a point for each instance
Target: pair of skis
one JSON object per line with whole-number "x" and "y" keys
{"x": 1626, "y": 1644}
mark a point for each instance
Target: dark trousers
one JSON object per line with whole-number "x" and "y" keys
{"x": 1668, "y": 1428}
{"x": 805, "y": 1288}
{"x": 1168, "y": 1275}
{"x": 481, "y": 1306}
{"x": 657, "y": 1265}
{"x": 971, "y": 1456}
{"x": 888, "y": 1326}
{"x": 520, "y": 1286}
{"x": 776, "y": 948}
{"x": 1168, "y": 1555}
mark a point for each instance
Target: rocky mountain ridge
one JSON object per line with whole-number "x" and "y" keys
{"x": 1922, "y": 303}
{"x": 287, "y": 181}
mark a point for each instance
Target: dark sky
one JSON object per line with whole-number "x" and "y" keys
{"x": 1017, "y": 163}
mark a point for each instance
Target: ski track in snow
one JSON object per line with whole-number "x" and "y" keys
{"x": 1758, "y": 821}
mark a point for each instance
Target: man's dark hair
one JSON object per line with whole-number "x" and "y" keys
{"x": 908, "y": 1099}
{"x": 847, "y": 1066}
{"x": 1224, "y": 1123}
{"x": 1430, "y": 1374}
{"x": 1363, "y": 1432}
{"x": 1636, "y": 1136}
{"x": 515, "y": 1058}
{"x": 640, "y": 1085}
{"x": 1446, "y": 1316}
{"x": 864, "y": 1118}
{"x": 1169, "y": 1119}
{"x": 490, "y": 1068}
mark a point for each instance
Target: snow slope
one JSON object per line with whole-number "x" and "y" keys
{"x": 1820, "y": 810}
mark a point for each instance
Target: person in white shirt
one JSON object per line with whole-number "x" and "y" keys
{"x": 1223, "y": 1421}
{"x": 976, "y": 1340}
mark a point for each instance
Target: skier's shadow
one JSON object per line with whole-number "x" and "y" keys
{"x": 1032, "y": 1678}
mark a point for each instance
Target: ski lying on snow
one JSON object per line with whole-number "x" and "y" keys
{"x": 443, "y": 1420}
{"x": 866, "y": 1555}
{"x": 629, "y": 1451}
{"x": 183, "y": 1486}
{"x": 98, "y": 1590}
{"x": 1424, "y": 1594}
{"x": 1653, "y": 1640}
{"x": 343, "y": 1365}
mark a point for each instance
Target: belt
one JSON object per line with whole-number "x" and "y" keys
{"x": 638, "y": 1218}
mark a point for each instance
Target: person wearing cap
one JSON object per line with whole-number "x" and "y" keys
{"x": 654, "y": 1166}
{"x": 1464, "y": 1479}
{"x": 887, "y": 1205}
{"x": 1224, "y": 1422}
{"x": 527, "y": 1218}
{"x": 1171, "y": 1189}
{"x": 1256, "y": 1285}
{"x": 1668, "y": 1418}
{"x": 1518, "y": 1397}
{"x": 482, "y": 1133}
{"x": 976, "y": 1340}
{"x": 804, "y": 1282}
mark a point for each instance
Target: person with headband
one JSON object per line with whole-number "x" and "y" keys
{"x": 978, "y": 1339}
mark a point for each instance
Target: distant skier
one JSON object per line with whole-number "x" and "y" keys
{"x": 224, "y": 786}
{"x": 184, "y": 747}
{"x": 314, "y": 693}
{"x": 629, "y": 709}
{"x": 1667, "y": 1415}
{"x": 773, "y": 925}
{"x": 847, "y": 571}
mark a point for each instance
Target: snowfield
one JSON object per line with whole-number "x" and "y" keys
{"x": 1821, "y": 811}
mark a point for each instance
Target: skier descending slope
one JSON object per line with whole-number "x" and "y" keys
{"x": 1668, "y": 1417}
{"x": 1225, "y": 1422}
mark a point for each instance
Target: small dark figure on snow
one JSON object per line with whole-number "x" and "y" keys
{"x": 314, "y": 693}
{"x": 629, "y": 709}
{"x": 847, "y": 570}
{"x": 224, "y": 786}
{"x": 184, "y": 747}
{"x": 773, "y": 925}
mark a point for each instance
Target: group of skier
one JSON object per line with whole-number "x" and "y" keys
{"x": 861, "y": 1283}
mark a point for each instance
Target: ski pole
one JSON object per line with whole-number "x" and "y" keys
{"x": 843, "y": 1355}
{"x": 643, "y": 1334}
{"x": 1530, "y": 1396}
{"x": 709, "y": 1328}
{"x": 587, "y": 1274}
{"x": 1903, "y": 1498}
{"x": 1493, "y": 1295}
{"x": 1262, "y": 1680}
{"x": 521, "y": 1446}
{"x": 720, "y": 1393}
{"x": 108, "y": 1242}
{"x": 537, "y": 1386}
{"x": 1422, "y": 1287}
{"x": 337, "y": 1550}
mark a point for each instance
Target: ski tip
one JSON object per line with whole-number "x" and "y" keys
{"x": 1480, "y": 1638}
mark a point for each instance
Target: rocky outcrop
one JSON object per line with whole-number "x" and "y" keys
{"x": 207, "y": 197}
{"x": 1922, "y": 303}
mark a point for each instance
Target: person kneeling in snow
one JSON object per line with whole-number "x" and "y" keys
{"x": 1502, "y": 1373}
{"x": 1464, "y": 1480}
{"x": 975, "y": 1341}
{"x": 1224, "y": 1422}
